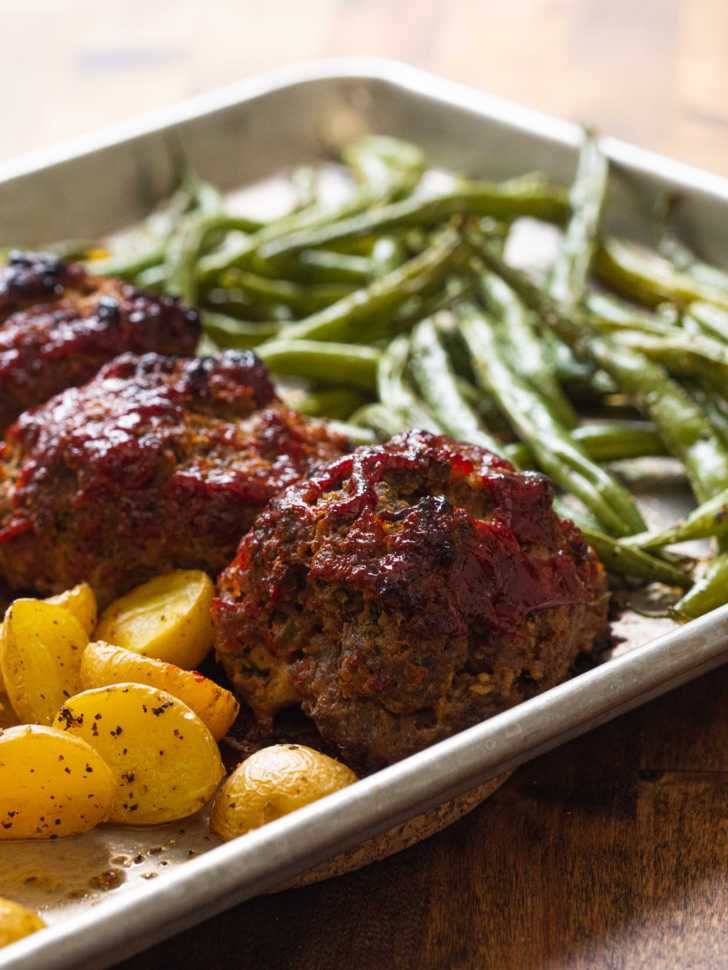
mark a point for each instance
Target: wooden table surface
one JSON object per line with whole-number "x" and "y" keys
{"x": 611, "y": 852}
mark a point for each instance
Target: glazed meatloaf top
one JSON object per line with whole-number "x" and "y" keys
{"x": 156, "y": 463}
{"x": 404, "y": 592}
{"x": 60, "y": 323}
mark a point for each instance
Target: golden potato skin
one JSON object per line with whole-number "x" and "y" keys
{"x": 104, "y": 664}
{"x": 165, "y": 760}
{"x": 81, "y": 601}
{"x": 51, "y": 784}
{"x": 273, "y": 782}
{"x": 8, "y": 717}
{"x": 17, "y": 922}
{"x": 40, "y": 655}
{"x": 167, "y": 618}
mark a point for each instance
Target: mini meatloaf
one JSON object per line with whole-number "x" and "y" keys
{"x": 59, "y": 324}
{"x": 405, "y": 592}
{"x": 155, "y": 464}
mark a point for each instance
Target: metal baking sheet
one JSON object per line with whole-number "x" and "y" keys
{"x": 94, "y": 888}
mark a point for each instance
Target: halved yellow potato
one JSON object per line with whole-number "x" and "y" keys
{"x": 167, "y": 618}
{"x": 2, "y": 679}
{"x": 81, "y": 601}
{"x": 165, "y": 760}
{"x": 17, "y": 922}
{"x": 40, "y": 656}
{"x": 104, "y": 664}
{"x": 273, "y": 782}
{"x": 51, "y": 784}
{"x": 8, "y": 717}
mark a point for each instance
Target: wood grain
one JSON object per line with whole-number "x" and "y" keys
{"x": 652, "y": 71}
{"x": 611, "y": 852}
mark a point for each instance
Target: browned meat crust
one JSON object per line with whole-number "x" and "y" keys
{"x": 405, "y": 592}
{"x": 59, "y": 324}
{"x": 157, "y": 463}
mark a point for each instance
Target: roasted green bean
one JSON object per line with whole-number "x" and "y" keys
{"x": 706, "y": 521}
{"x": 390, "y": 169}
{"x": 226, "y": 331}
{"x": 382, "y": 420}
{"x": 711, "y": 320}
{"x": 357, "y": 434}
{"x": 555, "y": 450}
{"x": 685, "y": 261}
{"x": 329, "y": 402}
{"x": 641, "y": 275}
{"x": 438, "y": 384}
{"x": 683, "y": 355}
{"x": 682, "y": 425}
{"x": 629, "y": 561}
{"x": 617, "y": 440}
{"x": 324, "y": 266}
{"x": 603, "y": 441}
{"x": 571, "y": 269}
{"x": 129, "y": 265}
{"x": 612, "y": 314}
{"x": 530, "y": 355}
{"x": 363, "y": 315}
{"x": 394, "y": 391}
{"x": 329, "y": 363}
{"x": 388, "y": 253}
{"x": 709, "y": 591}
{"x": 508, "y": 201}
{"x": 184, "y": 249}
{"x": 302, "y": 299}
{"x": 716, "y": 409}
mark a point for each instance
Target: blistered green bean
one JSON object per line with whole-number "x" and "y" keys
{"x": 641, "y": 275}
{"x": 328, "y": 402}
{"x": 395, "y": 392}
{"x": 364, "y": 314}
{"x": 228, "y": 332}
{"x": 556, "y": 451}
{"x": 571, "y": 269}
{"x": 530, "y": 355}
{"x": 682, "y": 425}
{"x": 329, "y": 363}
{"x": 438, "y": 384}
{"x": 539, "y": 200}
{"x": 709, "y": 592}
{"x": 390, "y": 166}
{"x": 381, "y": 419}
{"x": 706, "y": 521}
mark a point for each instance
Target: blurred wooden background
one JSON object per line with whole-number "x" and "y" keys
{"x": 651, "y": 71}
{"x": 611, "y": 852}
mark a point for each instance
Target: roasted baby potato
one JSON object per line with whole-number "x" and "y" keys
{"x": 16, "y": 922}
{"x": 40, "y": 655}
{"x": 273, "y": 782}
{"x": 8, "y": 717}
{"x": 81, "y": 601}
{"x": 104, "y": 664}
{"x": 165, "y": 760}
{"x": 167, "y": 618}
{"x": 51, "y": 784}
